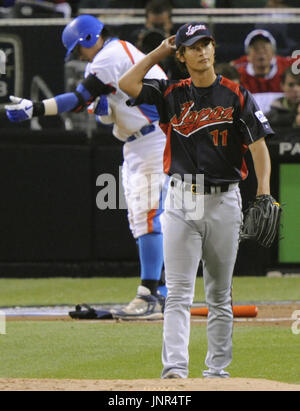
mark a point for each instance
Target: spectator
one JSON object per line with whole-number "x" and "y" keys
{"x": 228, "y": 71}
{"x": 285, "y": 111}
{"x": 261, "y": 69}
{"x": 158, "y": 26}
{"x": 281, "y": 31}
{"x": 158, "y": 17}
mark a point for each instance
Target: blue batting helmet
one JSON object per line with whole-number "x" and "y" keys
{"x": 84, "y": 30}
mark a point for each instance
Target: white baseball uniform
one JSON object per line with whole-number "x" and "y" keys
{"x": 137, "y": 127}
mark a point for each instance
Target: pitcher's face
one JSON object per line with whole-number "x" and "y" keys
{"x": 200, "y": 56}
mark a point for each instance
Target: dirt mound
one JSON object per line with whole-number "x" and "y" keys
{"x": 157, "y": 385}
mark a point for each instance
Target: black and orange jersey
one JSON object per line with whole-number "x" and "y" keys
{"x": 208, "y": 129}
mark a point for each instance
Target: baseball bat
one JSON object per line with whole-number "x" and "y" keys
{"x": 238, "y": 311}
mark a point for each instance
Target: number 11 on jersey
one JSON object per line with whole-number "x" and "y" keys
{"x": 219, "y": 137}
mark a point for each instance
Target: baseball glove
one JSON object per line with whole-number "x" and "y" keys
{"x": 262, "y": 219}
{"x": 86, "y": 312}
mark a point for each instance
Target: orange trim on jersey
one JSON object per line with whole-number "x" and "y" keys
{"x": 150, "y": 217}
{"x": 124, "y": 44}
{"x": 244, "y": 169}
{"x": 167, "y": 128}
{"x": 235, "y": 88}
{"x": 181, "y": 83}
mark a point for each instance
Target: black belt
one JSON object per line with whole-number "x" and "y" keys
{"x": 199, "y": 189}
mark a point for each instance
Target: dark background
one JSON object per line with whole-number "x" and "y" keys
{"x": 49, "y": 221}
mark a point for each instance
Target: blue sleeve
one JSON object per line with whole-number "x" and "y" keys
{"x": 72, "y": 101}
{"x": 66, "y": 102}
{"x": 87, "y": 91}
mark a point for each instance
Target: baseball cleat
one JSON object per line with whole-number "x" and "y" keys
{"x": 143, "y": 307}
{"x": 171, "y": 375}
{"x": 212, "y": 373}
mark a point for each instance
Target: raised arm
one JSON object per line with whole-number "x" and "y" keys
{"x": 132, "y": 81}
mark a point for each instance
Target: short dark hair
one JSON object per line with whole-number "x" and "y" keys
{"x": 158, "y": 7}
{"x": 181, "y": 66}
{"x": 289, "y": 72}
{"x": 106, "y": 33}
{"x": 227, "y": 70}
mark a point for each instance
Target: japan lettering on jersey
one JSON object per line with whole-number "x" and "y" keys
{"x": 208, "y": 129}
{"x": 190, "y": 121}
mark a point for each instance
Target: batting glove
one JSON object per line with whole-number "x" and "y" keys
{"x": 20, "y": 110}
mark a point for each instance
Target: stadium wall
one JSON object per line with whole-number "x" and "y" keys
{"x": 51, "y": 223}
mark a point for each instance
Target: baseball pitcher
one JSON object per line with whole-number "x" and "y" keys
{"x": 210, "y": 122}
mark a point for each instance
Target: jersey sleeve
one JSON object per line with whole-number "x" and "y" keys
{"x": 153, "y": 93}
{"x": 85, "y": 93}
{"x": 110, "y": 63}
{"x": 252, "y": 122}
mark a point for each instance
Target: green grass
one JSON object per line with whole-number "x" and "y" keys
{"x": 121, "y": 290}
{"x": 266, "y": 352}
{"x": 85, "y": 350}
{"x": 98, "y": 350}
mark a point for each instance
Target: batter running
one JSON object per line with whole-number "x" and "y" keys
{"x": 137, "y": 127}
{"x": 210, "y": 122}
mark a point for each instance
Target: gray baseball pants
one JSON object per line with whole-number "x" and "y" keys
{"x": 214, "y": 239}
